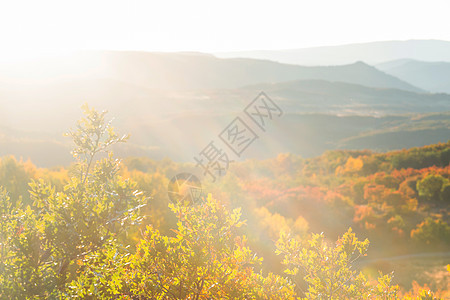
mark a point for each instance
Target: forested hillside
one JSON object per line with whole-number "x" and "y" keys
{"x": 104, "y": 228}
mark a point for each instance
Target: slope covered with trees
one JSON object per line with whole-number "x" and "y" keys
{"x": 105, "y": 229}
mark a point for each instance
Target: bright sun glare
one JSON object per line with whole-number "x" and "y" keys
{"x": 32, "y": 29}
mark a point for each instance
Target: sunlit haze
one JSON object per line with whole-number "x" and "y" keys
{"x": 32, "y": 28}
{"x": 240, "y": 149}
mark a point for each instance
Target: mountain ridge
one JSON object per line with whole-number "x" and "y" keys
{"x": 371, "y": 52}
{"x": 433, "y": 76}
{"x": 178, "y": 71}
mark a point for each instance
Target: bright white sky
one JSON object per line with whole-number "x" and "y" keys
{"x": 211, "y": 26}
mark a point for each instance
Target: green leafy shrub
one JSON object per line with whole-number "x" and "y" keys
{"x": 327, "y": 269}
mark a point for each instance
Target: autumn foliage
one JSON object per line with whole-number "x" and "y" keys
{"x": 105, "y": 229}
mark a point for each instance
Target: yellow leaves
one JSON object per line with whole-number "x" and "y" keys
{"x": 205, "y": 250}
{"x": 209, "y": 198}
{"x": 350, "y": 243}
{"x": 352, "y": 165}
{"x": 293, "y": 271}
{"x": 385, "y": 289}
{"x": 327, "y": 267}
{"x": 240, "y": 241}
{"x": 273, "y": 287}
{"x": 235, "y": 216}
{"x": 275, "y": 223}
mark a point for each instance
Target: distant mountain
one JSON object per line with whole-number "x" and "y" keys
{"x": 402, "y": 132}
{"x": 136, "y": 106}
{"x": 319, "y": 115}
{"x": 340, "y": 98}
{"x": 430, "y": 76}
{"x": 173, "y": 104}
{"x": 186, "y": 71}
{"x": 372, "y": 53}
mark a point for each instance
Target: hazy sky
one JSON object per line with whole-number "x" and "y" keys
{"x": 208, "y": 26}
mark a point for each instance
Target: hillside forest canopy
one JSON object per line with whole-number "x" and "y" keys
{"x": 344, "y": 225}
